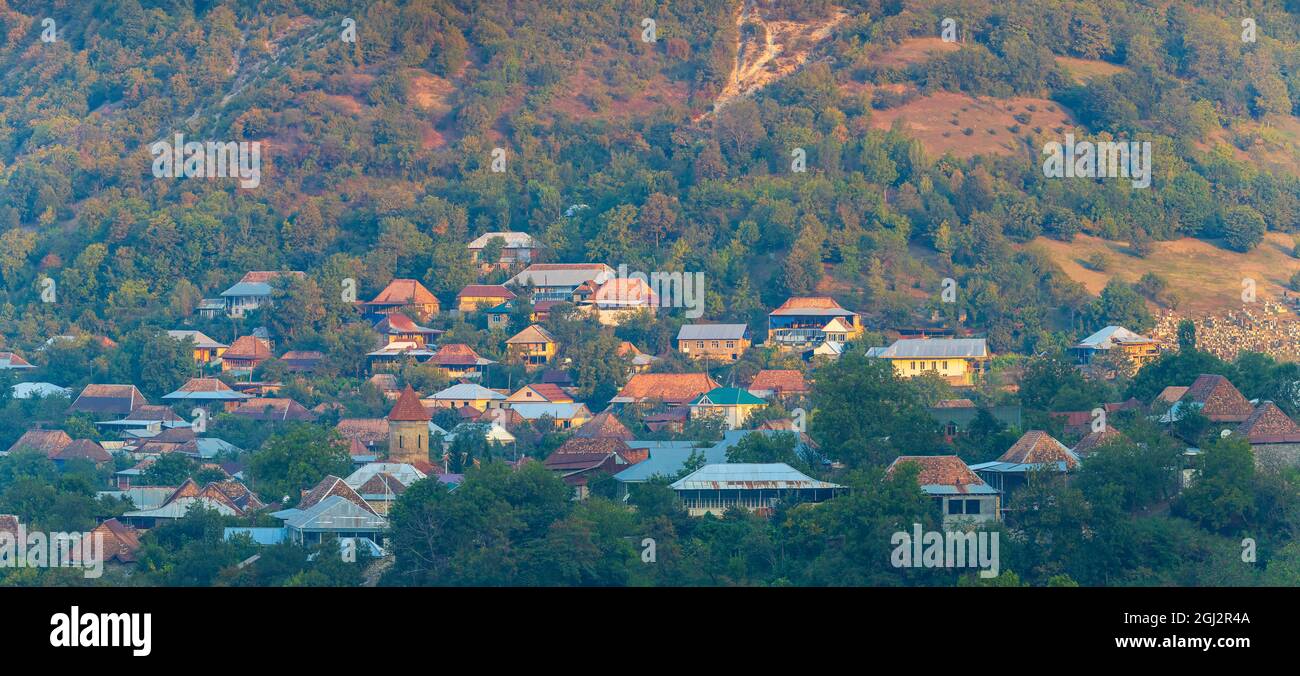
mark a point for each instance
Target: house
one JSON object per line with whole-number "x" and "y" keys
{"x": 1274, "y": 437}
{"x": 1216, "y": 399}
{"x": 245, "y": 355}
{"x": 804, "y": 322}
{"x": 672, "y": 419}
{"x": 492, "y": 432}
{"x": 252, "y": 291}
{"x": 534, "y": 346}
{"x": 964, "y": 499}
{"x": 206, "y": 392}
{"x": 717, "y": 342}
{"x": 605, "y": 425}
{"x": 39, "y": 390}
{"x": 615, "y": 300}
{"x": 10, "y": 361}
{"x": 1093, "y": 441}
{"x": 228, "y": 498}
{"x": 755, "y": 487}
{"x": 408, "y": 296}
{"x": 778, "y": 383}
{"x": 459, "y": 361}
{"x": 466, "y": 394}
{"x": 1139, "y": 349}
{"x": 398, "y": 328}
{"x": 829, "y": 350}
{"x": 498, "y": 316}
{"x": 955, "y": 416}
{"x": 205, "y": 349}
{"x": 476, "y": 297}
{"x": 381, "y": 483}
{"x": 641, "y": 362}
{"x": 81, "y": 449}
{"x": 956, "y": 360}
{"x": 558, "y": 281}
{"x": 539, "y": 393}
{"x": 46, "y": 442}
{"x": 332, "y": 509}
{"x": 100, "y": 400}
{"x": 516, "y": 247}
{"x": 408, "y": 429}
{"x": 732, "y": 404}
{"x": 277, "y": 409}
{"x": 119, "y": 542}
{"x": 563, "y": 416}
{"x": 302, "y": 361}
{"x": 1034, "y": 451}
{"x": 579, "y": 460}
{"x": 674, "y": 389}
{"x": 211, "y": 308}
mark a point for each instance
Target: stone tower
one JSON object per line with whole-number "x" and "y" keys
{"x": 408, "y": 429}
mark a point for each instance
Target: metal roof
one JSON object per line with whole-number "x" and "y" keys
{"x": 712, "y": 331}
{"x": 934, "y": 348}
{"x": 529, "y": 411}
{"x": 748, "y": 476}
{"x": 247, "y": 289}
{"x": 469, "y": 391}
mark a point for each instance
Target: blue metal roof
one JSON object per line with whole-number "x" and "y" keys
{"x": 248, "y": 289}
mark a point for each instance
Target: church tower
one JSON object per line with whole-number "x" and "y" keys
{"x": 408, "y": 429}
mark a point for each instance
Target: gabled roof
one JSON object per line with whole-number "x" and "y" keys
{"x": 561, "y": 274}
{"x": 405, "y": 292}
{"x": 331, "y": 486}
{"x": 605, "y": 425}
{"x": 403, "y": 473}
{"x": 486, "y": 291}
{"x": 532, "y": 334}
{"x": 541, "y": 392}
{"x": 205, "y": 389}
{"x": 248, "y": 347}
{"x": 779, "y": 380}
{"x": 82, "y": 449}
{"x": 44, "y": 441}
{"x": 625, "y": 291}
{"x": 748, "y": 476}
{"x": 1268, "y": 424}
{"x": 668, "y": 387}
{"x": 201, "y": 340}
{"x": 398, "y": 323}
{"x": 557, "y": 411}
{"x": 513, "y": 240}
{"x": 467, "y": 391}
{"x": 458, "y": 354}
{"x": 120, "y": 541}
{"x": 727, "y": 396}
{"x": 1094, "y": 440}
{"x": 265, "y": 408}
{"x": 943, "y": 475}
{"x": 408, "y": 408}
{"x": 1218, "y": 399}
{"x": 11, "y": 360}
{"x": 334, "y": 513}
{"x": 935, "y": 348}
{"x": 813, "y": 305}
{"x": 121, "y": 399}
{"x": 713, "y": 332}
{"x": 1111, "y": 336}
{"x": 1171, "y": 394}
{"x": 1036, "y": 447}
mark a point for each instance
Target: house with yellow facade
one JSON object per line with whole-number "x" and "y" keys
{"x": 477, "y": 297}
{"x": 956, "y": 360}
{"x": 205, "y": 348}
{"x": 732, "y": 404}
{"x": 718, "y": 342}
{"x": 533, "y": 346}
{"x": 1117, "y": 340}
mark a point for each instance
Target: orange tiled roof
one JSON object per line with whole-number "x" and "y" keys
{"x": 1268, "y": 424}
{"x": 1095, "y": 440}
{"x": 668, "y": 387}
{"x": 604, "y": 426}
{"x": 45, "y": 441}
{"x": 1037, "y": 447}
{"x": 204, "y": 385}
{"x": 455, "y": 354}
{"x": 408, "y": 407}
{"x": 83, "y": 449}
{"x": 779, "y": 380}
{"x": 939, "y": 470}
{"x": 248, "y": 347}
{"x": 332, "y": 485}
{"x": 405, "y": 292}
{"x": 1220, "y": 401}
{"x": 810, "y": 303}
{"x": 486, "y": 291}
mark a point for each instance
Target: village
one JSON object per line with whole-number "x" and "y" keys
{"x": 689, "y": 421}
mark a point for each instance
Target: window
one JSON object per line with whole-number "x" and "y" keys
{"x": 731, "y": 343}
{"x": 973, "y": 506}
{"x": 954, "y": 506}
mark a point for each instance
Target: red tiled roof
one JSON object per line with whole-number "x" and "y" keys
{"x": 408, "y": 407}
{"x": 400, "y": 323}
{"x": 486, "y": 291}
{"x": 265, "y": 408}
{"x": 1268, "y": 424}
{"x": 44, "y": 441}
{"x": 1095, "y": 440}
{"x": 939, "y": 470}
{"x": 604, "y": 426}
{"x": 455, "y": 354}
{"x": 779, "y": 380}
{"x": 667, "y": 387}
{"x": 332, "y": 485}
{"x": 1220, "y": 401}
{"x": 84, "y": 449}
{"x": 204, "y": 385}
